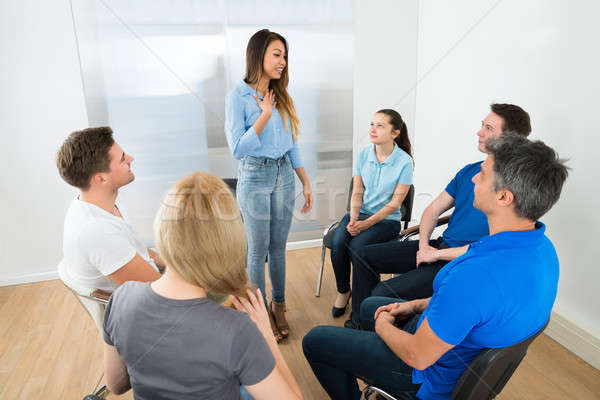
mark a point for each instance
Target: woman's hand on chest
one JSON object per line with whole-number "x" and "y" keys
{"x": 267, "y": 104}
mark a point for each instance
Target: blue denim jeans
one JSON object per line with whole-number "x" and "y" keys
{"x": 265, "y": 194}
{"x": 338, "y": 356}
{"x": 346, "y": 248}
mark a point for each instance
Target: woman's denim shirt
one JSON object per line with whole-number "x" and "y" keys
{"x": 241, "y": 111}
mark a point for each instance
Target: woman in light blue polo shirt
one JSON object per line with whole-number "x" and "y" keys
{"x": 382, "y": 177}
{"x": 262, "y": 132}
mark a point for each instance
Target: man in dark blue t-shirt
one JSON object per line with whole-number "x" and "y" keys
{"x": 418, "y": 261}
{"x": 500, "y": 292}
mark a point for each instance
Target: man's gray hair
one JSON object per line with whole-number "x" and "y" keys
{"x": 531, "y": 170}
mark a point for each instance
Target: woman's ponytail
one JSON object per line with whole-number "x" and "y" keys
{"x": 397, "y": 123}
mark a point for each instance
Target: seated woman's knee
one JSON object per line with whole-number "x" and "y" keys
{"x": 383, "y": 289}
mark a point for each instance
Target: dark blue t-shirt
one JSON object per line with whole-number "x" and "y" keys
{"x": 467, "y": 224}
{"x": 500, "y": 292}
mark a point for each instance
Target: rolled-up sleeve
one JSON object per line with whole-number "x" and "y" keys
{"x": 294, "y": 154}
{"x": 240, "y": 140}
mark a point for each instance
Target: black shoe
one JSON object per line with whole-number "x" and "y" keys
{"x": 351, "y": 325}
{"x": 339, "y": 311}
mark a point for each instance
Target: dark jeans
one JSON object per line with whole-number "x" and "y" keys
{"x": 338, "y": 356}
{"x": 345, "y": 247}
{"x": 393, "y": 258}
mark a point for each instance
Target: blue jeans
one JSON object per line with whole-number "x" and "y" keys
{"x": 346, "y": 248}
{"x": 338, "y": 356}
{"x": 265, "y": 194}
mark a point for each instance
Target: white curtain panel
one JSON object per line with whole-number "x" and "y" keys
{"x": 158, "y": 73}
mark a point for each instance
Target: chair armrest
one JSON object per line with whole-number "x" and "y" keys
{"x": 100, "y": 296}
{"x": 414, "y": 230}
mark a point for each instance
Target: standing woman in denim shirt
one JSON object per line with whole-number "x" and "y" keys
{"x": 262, "y": 131}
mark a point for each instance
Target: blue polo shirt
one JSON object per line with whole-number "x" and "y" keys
{"x": 500, "y": 292}
{"x": 467, "y": 224}
{"x": 381, "y": 178}
{"x": 241, "y": 112}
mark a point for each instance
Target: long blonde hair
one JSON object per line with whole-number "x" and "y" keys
{"x": 200, "y": 235}
{"x": 255, "y": 55}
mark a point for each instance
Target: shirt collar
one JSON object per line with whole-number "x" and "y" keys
{"x": 391, "y": 159}
{"x": 513, "y": 238}
{"x": 245, "y": 89}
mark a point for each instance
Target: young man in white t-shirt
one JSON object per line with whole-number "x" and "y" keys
{"x": 101, "y": 248}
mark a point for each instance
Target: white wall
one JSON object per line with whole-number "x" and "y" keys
{"x": 541, "y": 55}
{"x": 385, "y": 63}
{"x": 41, "y": 101}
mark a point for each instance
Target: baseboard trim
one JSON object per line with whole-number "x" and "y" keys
{"x": 28, "y": 278}
{"x": 304, "y": 244}
{"x": 575, "y": 339}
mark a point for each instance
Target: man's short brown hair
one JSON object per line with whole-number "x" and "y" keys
{"x": 83, "y": 154}
{"x": 515, "y": 119}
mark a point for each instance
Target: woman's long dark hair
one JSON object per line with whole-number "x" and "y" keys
{"x": 402, "y": 139}
{"x": 255, "y": 55}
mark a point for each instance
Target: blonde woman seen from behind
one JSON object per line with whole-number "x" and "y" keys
{"x": 169, "y": 338}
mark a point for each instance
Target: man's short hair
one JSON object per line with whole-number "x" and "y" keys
{"x": 83, "y": 154}
{"x": 515, "y": 119}
{"x": 531, "y": 170}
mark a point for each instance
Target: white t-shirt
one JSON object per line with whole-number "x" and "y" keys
{"x": 97, "y": 243}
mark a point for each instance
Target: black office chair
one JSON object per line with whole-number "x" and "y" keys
{"x": 484, "y": 378}
{"x": 406, "y": 210}
{"x": 232, "y": 184}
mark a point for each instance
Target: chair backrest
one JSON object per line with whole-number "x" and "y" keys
{"x": 407, "y": 206}
{"x": 232, "y": 183}
{"x": 487, "y": 374}
{"x": 350, "y": 187}
{"x": 94, "y": 307}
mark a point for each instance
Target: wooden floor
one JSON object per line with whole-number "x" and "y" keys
{"x": 50, "y": 349}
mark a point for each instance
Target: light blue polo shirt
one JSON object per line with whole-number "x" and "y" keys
{"x": 241, "y": 112}
{"x": 381, "y": 178}
{"x": 498, "y": 293}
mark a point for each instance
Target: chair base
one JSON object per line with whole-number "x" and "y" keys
{"x": 99, "y": 394}
{"x": 369, "y": 391}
